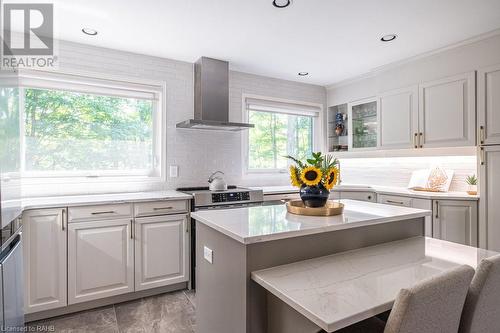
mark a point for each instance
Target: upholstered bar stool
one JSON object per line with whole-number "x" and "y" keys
{"x": 432, "y": 306}
{"x": 482, "y": 306}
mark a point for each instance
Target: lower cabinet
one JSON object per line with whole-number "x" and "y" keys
{"x": 100, "y": 259}
{"x": 456, "y": 221}
{"x": 44, "y": 245}
{"x": 161, "y": 251}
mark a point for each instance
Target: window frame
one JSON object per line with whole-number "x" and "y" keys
{"x": 317, "y": 130}
{"x": 113, "y": 86}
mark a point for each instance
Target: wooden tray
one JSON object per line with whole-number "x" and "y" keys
{"x": 331, "y": 208}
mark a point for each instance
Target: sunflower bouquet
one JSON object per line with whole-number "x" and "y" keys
{"x": 318, "y": 171}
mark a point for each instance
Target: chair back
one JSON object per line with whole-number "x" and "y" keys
{"x": 482, "y": 306}
{"x": 432, "y": 306}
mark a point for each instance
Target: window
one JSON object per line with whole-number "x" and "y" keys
{"x": 76, "y": 126}
{"x": 281, "y": 129}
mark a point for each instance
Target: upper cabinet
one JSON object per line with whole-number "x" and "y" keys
{"x": 488, "y": 103}
{"x": 398, "y": 119}
{"x": 447, "y": 112}
{"x": 363, "y": 120}
{"x": 436, "y": 114}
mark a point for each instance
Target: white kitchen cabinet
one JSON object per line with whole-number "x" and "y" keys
{"x": 44, "y": 244}
{"x": 100, "y": 259}
{"x": 447, "y": 116}
{"x": 488, "y": 103}
{"x": 398, "y": 118}
{"x": 409, "y": 202}
{"x": 489, "y": 218}
{"x": 362, "y": 124}
{"x": 456, "y": 221}
{"x": 161, "y": 251}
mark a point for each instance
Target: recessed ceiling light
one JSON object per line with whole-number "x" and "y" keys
{"x": 388, "y": 38}
{"x": 281, "y": 3}
{"x": 303, "y": 73}
{"x": 90, "y": 32}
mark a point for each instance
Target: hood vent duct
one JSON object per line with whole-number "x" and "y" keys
{"x": 211, "y": 98}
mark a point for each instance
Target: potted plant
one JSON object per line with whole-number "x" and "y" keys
{"x": 472, "y": 182}
{"x": 315, "y": 178}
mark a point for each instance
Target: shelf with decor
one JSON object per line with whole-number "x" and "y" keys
{"x": 337, "y": 133}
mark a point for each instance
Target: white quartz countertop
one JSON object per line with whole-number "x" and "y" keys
{"x": 390, "y": 190}
{"x": 341, "y": 289}
{"x": 264, "y": 223}
{"x": 97, "y": 199}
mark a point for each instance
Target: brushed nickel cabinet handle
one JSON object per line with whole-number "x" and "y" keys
{"x": 481, "y": 156}
{"x": 421, "y": 140}
{"x": 415, "y": 138}
{"x": 106, "y": 212}
{"x": 63, "y": 218}
{"x": 395, "y": 202}
{"x": 162, "y": 208}
{"x": 481, "y": 134}
{"x": 437, "y": 209}
{"x": 131, "y": 229}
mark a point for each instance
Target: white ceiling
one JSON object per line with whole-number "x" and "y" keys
{"x": 331, "y": 39}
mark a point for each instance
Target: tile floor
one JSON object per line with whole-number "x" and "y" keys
{"x": 169, "y": 313}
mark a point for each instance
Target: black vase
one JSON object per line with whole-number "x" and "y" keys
{"x": 314, "y": 196}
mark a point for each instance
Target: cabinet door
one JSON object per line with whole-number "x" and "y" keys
{"x": 489, "y": 231}
{"x": 447, "y": 116}
{"x": 44, "y": 244}
{"x": 488, "y": 103}
{"x": 455, "y": 221}
{"x": 398, "y": 119}
{"x": 161, "y": 251}
{"x": 362, "y": 127}
{"x": 100, "y": 259}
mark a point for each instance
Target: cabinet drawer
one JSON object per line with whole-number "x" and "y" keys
{"x": 394, "y": 200}
{"x": 89, "y": 213}
{"x": 161, "y": 207}
{"x": 356, "y": 195}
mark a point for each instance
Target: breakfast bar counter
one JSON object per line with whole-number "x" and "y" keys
{"x": 233, "y": 243}
{"x": 339, "y": 290}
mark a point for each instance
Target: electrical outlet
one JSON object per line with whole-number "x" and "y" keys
{"x": 208, "y": 254}
{"x": 174, "y": 171}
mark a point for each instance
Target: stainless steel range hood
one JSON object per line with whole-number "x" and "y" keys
{"x": 211, "y": 98}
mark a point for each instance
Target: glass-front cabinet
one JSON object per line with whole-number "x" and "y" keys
{"x": 363, "y": 124}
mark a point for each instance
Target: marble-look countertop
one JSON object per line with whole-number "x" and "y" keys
{"x": 344, "y": 288}
{"x": 389, "y": 190}
{"x": 98, "y": 199}
{"x": 264, "y": 223}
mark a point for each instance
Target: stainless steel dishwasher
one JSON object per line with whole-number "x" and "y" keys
{"x": 11, "y": 282}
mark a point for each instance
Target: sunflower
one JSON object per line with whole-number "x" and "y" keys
{"x": 331, "y": 178}
{"x": 311, "y": 176}
{"x": 294, "y": 176}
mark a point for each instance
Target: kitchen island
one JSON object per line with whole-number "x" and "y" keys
{"x": 233, "y": 243}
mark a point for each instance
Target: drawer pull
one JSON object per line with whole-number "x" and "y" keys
{"x": 395, "y": 202}
{"x": 162, "y": 208}
{"x": 106, "y": 212}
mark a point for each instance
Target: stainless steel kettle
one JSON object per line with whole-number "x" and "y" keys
{"x": 217, "y": 183}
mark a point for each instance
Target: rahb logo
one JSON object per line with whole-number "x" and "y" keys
{"x": 27, "y": 35}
